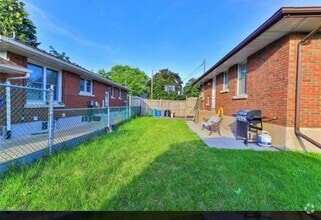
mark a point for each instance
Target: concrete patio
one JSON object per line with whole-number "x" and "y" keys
{"x": 226, "y": 141}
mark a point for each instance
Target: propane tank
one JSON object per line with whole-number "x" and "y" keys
{"x": 264, "y": 139}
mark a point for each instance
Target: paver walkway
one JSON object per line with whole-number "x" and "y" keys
{"x": 226, "y": 141}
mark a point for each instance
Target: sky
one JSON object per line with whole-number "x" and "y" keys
{"x": 150, "y": 34}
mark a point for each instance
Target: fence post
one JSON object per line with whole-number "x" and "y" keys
{"x": 130, "y": 107}
{"x": 8, "y": 110}
{"x": 145, "y": 103}
{"x": 51, "y": 120}
{"x": 108, "y": 117}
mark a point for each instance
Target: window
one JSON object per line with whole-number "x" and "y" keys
{"x": 112, "y": 92}
{"x": 202, "y": 92}
{"x": 86, "y": 87}
{"x": 42, "y": 78}
{"x": 52, "y": 80}
{"x": 120, "y": 96}
{"x": 225, "y": 80}
{"x": 170, "y": 88}
{"x": 242, "y": 73}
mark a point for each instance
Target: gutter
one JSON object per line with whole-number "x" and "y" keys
{"x": 274, "y": 19}
{"x": 66, "y": 65}
{"x": 304, "y": 41}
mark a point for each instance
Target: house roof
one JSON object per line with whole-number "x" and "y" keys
{"x": 9, "y": 67}
{"x": 41, "y": 56}
{"x": 286, "y": 20}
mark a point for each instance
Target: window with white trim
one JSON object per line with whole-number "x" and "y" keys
{"x": 242, "y": 74}
{"x": 42, "y": 78}
{"x": 120, "y": 96}
{"x": 225, "y": 81}
{"x": 170, "y": 88}
{"x": 86, "y": 87}
{"x": 112, "y": 92}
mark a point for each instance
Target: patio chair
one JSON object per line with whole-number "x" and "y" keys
{"x": 213, "y": 124}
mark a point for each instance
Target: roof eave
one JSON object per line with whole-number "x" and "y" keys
{"x": 277, "y": 16}
{"x": 67, "y": 66}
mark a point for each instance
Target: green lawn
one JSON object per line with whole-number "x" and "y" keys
{"x": 158, "y": 164}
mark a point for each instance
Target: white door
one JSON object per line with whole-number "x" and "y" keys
{"x": 213, "y": 104}
{"x": 106, "y": 99}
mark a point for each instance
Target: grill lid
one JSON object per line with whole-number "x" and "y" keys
{"x": 249, "y": 113}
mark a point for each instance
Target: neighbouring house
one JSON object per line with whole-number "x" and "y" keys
{"x": 74, "y": 86}
{"x": 276, "y": 69}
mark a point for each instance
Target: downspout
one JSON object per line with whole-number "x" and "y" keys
{"x": 8, "y": 103}
{"x": 297, "y": 131}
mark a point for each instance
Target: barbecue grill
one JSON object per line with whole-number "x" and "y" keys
{"x": 247, "y": 123}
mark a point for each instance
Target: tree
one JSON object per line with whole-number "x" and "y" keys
{"x": 132, "y": 78}
{"x": 189, "y": 90}
{"x": 14, "y": 22}
{"x": 62, "y": 55}
{"x": 103, "y": 73}
{"x": 166, "y": 85}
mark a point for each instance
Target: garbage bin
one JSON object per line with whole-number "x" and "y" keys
{"x": 153, "y": 112}
{"x": 158, "y": 113}
{"x": 167, "y": 113}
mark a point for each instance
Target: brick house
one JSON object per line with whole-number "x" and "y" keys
{"x": 74, "y": 86}
{"x": 276, "y": 69}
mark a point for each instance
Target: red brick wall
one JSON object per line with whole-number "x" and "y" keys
{"x": 271, "y": 83}
{"x": 225, "y": 100}
{"x": 3, "y": 77}
{"x": 116, "y": 101}
{"x": 266, "y": 83}
{"x": 21, "y": 61}
{"x": 310, "y": 102}
{"x": 207, "y": 99}
{"x": 18, "y": 59}
{"x": 71, "y": 89}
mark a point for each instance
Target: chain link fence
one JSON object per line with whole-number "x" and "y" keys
{"x": 30, "y": 126}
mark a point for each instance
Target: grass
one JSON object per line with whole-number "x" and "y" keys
{"x": 158, "y": 164}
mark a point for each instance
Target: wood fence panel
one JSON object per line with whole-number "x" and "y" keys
{"x": 180, "y": 108}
